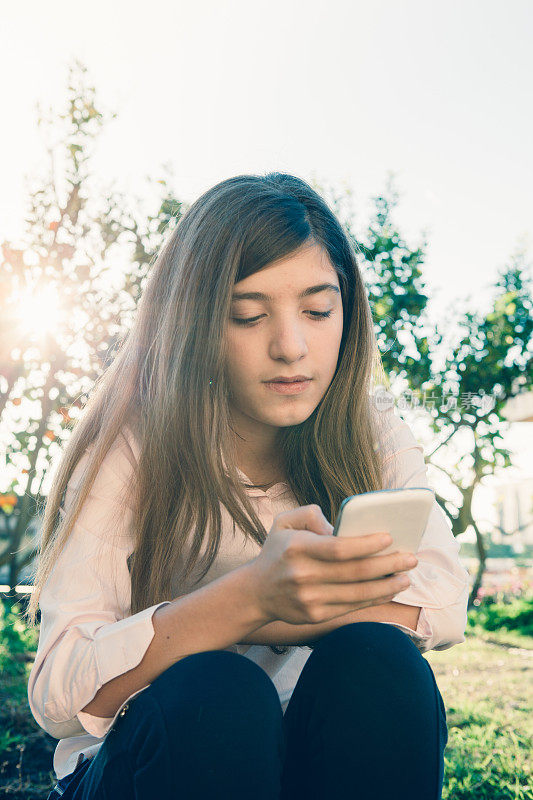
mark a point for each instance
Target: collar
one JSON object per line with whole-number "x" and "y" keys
{"x": 274, "y": 491}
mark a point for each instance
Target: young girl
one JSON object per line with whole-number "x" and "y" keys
{"x": 202, "y": 633}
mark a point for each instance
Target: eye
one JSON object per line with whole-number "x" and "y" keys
{"x": 317, "y": 315}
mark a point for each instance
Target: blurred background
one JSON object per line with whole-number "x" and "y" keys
{"x": 414, "y": 120}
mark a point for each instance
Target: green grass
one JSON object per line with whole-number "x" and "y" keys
{"x": 486, "y": 684}
{"x": 487, "y": 688}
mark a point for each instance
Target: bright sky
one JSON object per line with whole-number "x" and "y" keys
{"x": 343, "y": 92}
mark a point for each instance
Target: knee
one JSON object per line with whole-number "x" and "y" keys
{"x": 217, "y": 677}
{"x": 373, "y": 646}
{"x": 215, "y": 696}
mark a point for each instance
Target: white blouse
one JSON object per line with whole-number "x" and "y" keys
{"x": 87, "y": 636}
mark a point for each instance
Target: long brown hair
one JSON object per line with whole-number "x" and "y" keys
{"x": 159, "y": 386}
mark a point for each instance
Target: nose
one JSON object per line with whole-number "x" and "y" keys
{"x": 288, "y": 342}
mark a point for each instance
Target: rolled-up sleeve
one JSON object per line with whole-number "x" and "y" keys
{"x": 87, "y": 636}
{"x": 440, "y": 583}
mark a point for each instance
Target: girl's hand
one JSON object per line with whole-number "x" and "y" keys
{"x": 304, "y": 574}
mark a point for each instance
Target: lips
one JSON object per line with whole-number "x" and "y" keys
{"x": 288, "y": 387}
{"x": 296, "y": 379}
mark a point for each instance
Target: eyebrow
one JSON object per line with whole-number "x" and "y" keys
{"x": 321, "y": 287}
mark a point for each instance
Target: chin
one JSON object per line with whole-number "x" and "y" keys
{"x": 289, "y": 417}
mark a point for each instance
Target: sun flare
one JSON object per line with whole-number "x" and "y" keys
{"x": 39, "y": 312}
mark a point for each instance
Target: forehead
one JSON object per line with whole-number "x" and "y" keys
{"x": 306, "y": 273}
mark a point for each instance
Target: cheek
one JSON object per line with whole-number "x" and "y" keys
{"x": 329, "y": 348}
{"x": 328, "y": 340}
{"x": 337, "y": 336}
{"x": 240, "y": 360}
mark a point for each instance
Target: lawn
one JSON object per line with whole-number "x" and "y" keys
{"x": 487, "y": 688}
{"x": 486, "y": 684}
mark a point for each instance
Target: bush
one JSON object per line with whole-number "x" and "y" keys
{"x": 494, "y": 613}
{"x": 18, "y": 641}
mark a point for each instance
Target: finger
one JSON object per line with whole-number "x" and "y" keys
{"x": 369, "y": 592}
{"x": 365, "y": 569}
{"x": 308, "y": 518}
{"x": 345, "y": 548}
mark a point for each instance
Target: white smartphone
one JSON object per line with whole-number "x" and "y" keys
{"x": 401, "y": 512}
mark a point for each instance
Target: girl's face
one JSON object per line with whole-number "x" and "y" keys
{"x": 289, "y": 335}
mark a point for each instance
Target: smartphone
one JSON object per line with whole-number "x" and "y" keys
{"x": 401, "y": 512}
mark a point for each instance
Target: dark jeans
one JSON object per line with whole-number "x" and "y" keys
{"x": 365, "y": 720}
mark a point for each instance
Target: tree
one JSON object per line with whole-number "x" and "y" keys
{"x": 490, "y": 363}
{"x": 62, "y": 316}
{"x": 463, "y": 401}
